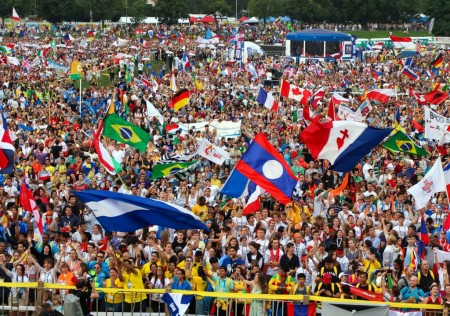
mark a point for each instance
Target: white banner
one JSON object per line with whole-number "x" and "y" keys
{"x": 364, "y": 109}
{"x": 211, "y": 152}
{"x": 227, "y": 129}
{"x": 435, "y": 125}
{"x": 347, "y": 114}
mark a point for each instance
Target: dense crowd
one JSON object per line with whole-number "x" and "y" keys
{"x": 319, "y": 244}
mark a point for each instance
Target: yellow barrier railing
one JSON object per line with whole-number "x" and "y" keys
{"x": 267, "y": 297}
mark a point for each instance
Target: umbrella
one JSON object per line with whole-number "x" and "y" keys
{"x": 244, "y": 18}
{"x": 193, "y": 20}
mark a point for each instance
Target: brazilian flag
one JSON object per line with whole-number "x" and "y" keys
{"x": 167, "y": 169}
{"x": 125, "y": 132}
{"x": 403, "y": 143}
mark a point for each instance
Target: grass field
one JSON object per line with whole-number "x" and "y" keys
{"x": 385, "y": 34}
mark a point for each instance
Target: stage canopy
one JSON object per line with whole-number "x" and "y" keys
{"x": 319, "y": 35}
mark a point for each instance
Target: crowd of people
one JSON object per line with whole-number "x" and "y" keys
{"x": 318, "y": 244}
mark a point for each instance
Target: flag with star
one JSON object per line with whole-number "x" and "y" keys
{"x": 125, "y": 132}
{"x": 167, "y": 169}
{"x": 403, "y": 143}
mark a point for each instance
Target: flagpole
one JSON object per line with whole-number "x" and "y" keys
{"x": 80, "y": 96}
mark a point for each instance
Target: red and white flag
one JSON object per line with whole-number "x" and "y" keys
{"x": 317, "y": 96}
{"x": 294, "y": 92}
{"x": 29, "y": 204}
{"x": 110, "y": 164}
{"x": 337, "y": 99}
{"x": 402, "y": 42}
{"x": 420, "y": 99}
{"x": 381, "y": 95}
{"x": 15, "y": 16}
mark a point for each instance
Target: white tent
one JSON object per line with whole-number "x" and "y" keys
{"x": 252, "y": 20}
{"x": 150, "y": 20}
{"x": 249, "y": 48}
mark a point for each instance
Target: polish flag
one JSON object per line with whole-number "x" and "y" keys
{"x": 381, "y": 95}
{"x": 294, "y": 92}
{"x": 402, "y": 42}
{"x": 15, "y": 16}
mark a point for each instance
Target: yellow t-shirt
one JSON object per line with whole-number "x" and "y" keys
{"x": 200, "y": 285}
{"x": 200, "y": 211}
{"x": 370, "y": 266}
{"x": 133, "y": 281}
{"x": 145, "y": 270}
{"x": 114, "y": 298}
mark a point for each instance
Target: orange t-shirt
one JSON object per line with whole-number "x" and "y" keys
{"x": 68, "y": 279}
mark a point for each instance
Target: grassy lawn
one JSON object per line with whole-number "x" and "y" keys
{"x": 385, "y": 34}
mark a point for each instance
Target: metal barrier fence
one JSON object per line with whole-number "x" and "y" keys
{"x": 113, "y": 301}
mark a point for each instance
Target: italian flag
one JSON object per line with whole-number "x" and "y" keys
{"x": 111, "y": 165}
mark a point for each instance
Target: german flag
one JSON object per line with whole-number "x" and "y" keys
{"x": 438, "y": 62}
{"x": 180, "y": 99}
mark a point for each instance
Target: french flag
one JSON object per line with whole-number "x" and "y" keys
{"x": 7, "y": 148}
{"x": 317, "y": 96}
{"x": 253, "y": 204}
{"x": 343, "y": 143}
{"x": 381, "y": 95}
{"x": 267, "y": 100}
{"x": 402, "y": 42}
{"x": 410, "y": 74}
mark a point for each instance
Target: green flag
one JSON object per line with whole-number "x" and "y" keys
{"x": 289, "y": 26}
{"x": 125, "y": 132}
{"x": 166, "y": 169}
{"x": 403, "y": 143}
{"x": 127, "y": 75}
{"x": 295, "y": 116}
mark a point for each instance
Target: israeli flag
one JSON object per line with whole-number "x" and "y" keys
{"x": 177, "y": 303}
{"x": 123, "y": 212}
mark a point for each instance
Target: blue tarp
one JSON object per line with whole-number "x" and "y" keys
{"x": 318, "y": 35}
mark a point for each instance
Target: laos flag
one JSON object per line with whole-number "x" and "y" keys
{"x": 263, "y": 165}
{"x": 343, "y": 143}
{"x": 301, "y": 309}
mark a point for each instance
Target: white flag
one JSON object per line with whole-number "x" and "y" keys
{"x": 435, "y": 125}
{"x": 432, "y": 182}
{"x": 211, "y": 152}
{"x": 152, "y": 111}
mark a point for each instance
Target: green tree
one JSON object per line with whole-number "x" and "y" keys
{"x": 169, "y": 11}
{"x": 441, "y": 12}
{"x": 213, "y": 7}
{"x": 138, "y": 10}
{"x": 302, "y": 10}
{"x": 362, "y": 11}
{"x": 264, "y": 8}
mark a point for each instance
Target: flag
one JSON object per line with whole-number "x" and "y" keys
{"x": 432, "y": 182}
{"x": 381, "y": 95}
{"x": 295, "y": 309}
{"x": 293, "y": 92}
{"x": 407, "y": 62}
{"x": 447, "y": 183}
{"x": 316, "y": 97}
{"x": 125, "y": 132}
{"x": 289, "y": 27}
{"x": 180, "y": 100}
{"x": 171, "y": 128}
{"x": 76, "y": 70}
{"x": 152, "y": 111}
{"x": 403, "y": 143}
{"x": 15, "y": 16}
{"x": 254, "y": 203}
{"x": 68, "y": 38}
{"x": 331, "y": 111}
{"x": 252, "y": 70}
{"x": 267, "y": 100}
{"x": 211, "y": 152}
{"x": 438, "y": 62}
{"x": 177, "y": 303}
{"x": 236, "y": 185}
{"x": 144, "y": 83}
{"x": 7, "y": 149}
{"x": 26, "y": 65}
{"x": 343, "y": 143}
{"x": 337, "y": 99}
{"x": 376, "y": 74}
{"x": 116, "y": 211}
{"x": 424, "y": 237}
{"x": 402, "y": 42}
{"x": 364, "y": 108}
{"x": 410, "y": 74}
{"x": 263, "y": 165}
{"x": 368, "y": 295}
{"x": 197, "y": 83}
{"x": 111, "y": 165}
{"x": 29, "y": 204}
{"x": 418, "y": 47}
{"x": 417, "y": 126}
{"x": 167, "y": 169}
{"x": 3, "y": 59}
{"x": 420, "y": 99}
{"x": 185, "y": 62}
{"x": 436, "y": 97}
{"x": 408, "y": 313}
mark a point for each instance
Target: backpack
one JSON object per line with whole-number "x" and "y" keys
{"x": 335, "y": 270}
{"x": 419, "y": 275}
{"x": 72, "y": 305}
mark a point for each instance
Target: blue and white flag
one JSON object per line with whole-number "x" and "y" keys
{"x": 236, "y": 185}
{"x": 123, "y": 212}
{"x": 177, "y": 304}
